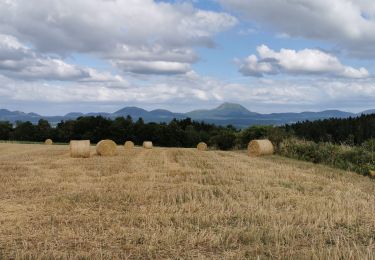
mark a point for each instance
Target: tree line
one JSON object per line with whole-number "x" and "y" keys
{"x": 350, "y": 131}
{"x": 188, "y": 133}
{"x": 177, "y": 133}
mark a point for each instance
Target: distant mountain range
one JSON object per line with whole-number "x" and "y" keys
{"x": 225, "y": 114}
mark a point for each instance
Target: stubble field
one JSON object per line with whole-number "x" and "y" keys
{"x": 179, "y": 203}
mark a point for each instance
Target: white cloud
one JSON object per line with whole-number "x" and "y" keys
{"x": 153, "y": 67}
{"x": 346, "y": 23}
{"x": 159, "y": 34}
{"x": 153, "y": 60}
{"x": 152, "y": 53}
{"x": 307, "y": 61}
{"x": 20, "y": 62}
{"x": 192, "y": 91}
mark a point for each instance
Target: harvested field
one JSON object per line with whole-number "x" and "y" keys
{"x": 170, "y": 203}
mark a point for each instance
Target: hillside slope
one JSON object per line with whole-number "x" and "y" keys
{"x": 179, "y": 203}
{"x": 225, "y": 114}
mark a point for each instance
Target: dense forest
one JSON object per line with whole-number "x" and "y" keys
{"x": 350, "y": 131}
{"x": 177, "y": 133}
{"x": 187, "y": 133}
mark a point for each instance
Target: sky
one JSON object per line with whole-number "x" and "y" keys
{"x": 60, "y": 56}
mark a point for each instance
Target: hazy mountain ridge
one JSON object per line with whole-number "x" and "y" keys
{"x": 368, "y": 112}
{"x": 225, "y": 114}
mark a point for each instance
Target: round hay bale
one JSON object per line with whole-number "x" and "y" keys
{"x": 202, "y": 146}
{"x": 129, "y": 145}
{"x": 147, "y": 145}
{"x": 48, "y": 142}
{"x": 260, "y": 148}
{"x": 80, "y": 149}
{"x": 106, "y": 148}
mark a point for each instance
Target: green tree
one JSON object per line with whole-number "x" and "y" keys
{"x": 24, "y": 131}
{"x": 43, "y": 130}
{"x": 5, "y": 130}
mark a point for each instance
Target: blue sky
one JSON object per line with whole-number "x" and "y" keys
{"x": 181, "y": 55}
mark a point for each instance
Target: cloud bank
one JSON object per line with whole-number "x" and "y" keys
{"x": 139, "y": 36}
{"x": 150, "y": 50}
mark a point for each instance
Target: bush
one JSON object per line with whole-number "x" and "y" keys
{"x": 277, "y": 135}
{"x": 357, "y": 159}
{"x": 251, "y": 133}
{"x": 224, "y": 140}
{"x": 369, "y": 145}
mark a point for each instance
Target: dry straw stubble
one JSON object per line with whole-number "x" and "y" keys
{"x": 260, "y": 148}
{"x": 175, "y": 202}
{"x": 106, "y": 148}
{"x": 79, "y": 149}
